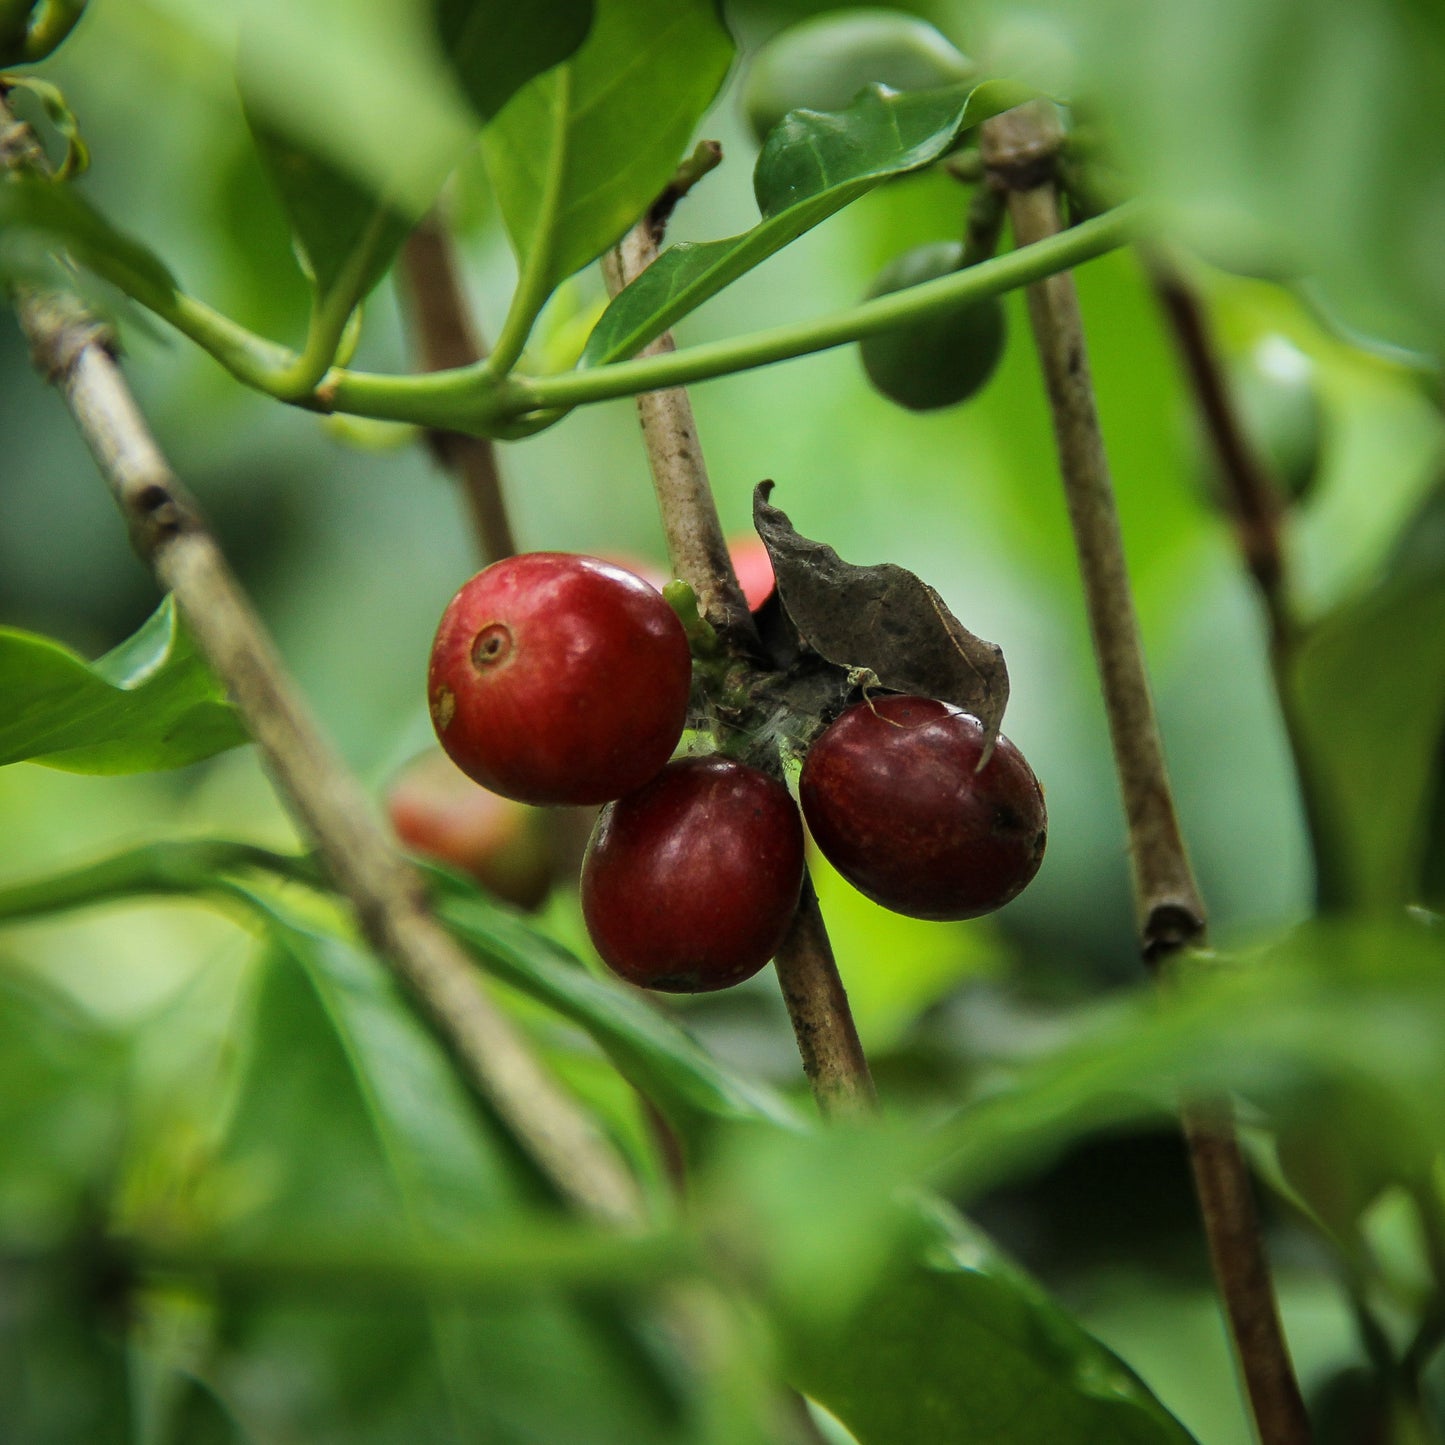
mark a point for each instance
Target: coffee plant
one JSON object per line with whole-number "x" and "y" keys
{"x": 899, "y": 900}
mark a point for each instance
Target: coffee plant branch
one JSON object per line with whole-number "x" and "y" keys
{"x": 1253, "y": 499}
{"x": 445, "y": 337}
{"x": 817, "y": 1003}
{"x": 481, "y": 399}
{"x": 72, "y": 351}
{"x": 1019, "y": 150}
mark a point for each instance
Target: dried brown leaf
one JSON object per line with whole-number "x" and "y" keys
{"x": 882, "y": 619}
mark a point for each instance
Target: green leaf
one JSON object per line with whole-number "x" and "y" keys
{"x": 347, "y": 229}
{"x": 62, "y": 1376}
{"x": 151, "y": 703}
{"x": 955, "y": 1343}
{"x": 345, "y": 239}
{"x": 59, "y": 1113}
{"x": 1341, "y": 1009}
{"x": 581, "y": 152}
{"x": 1301, "y": 170}
{"x": 656, "y": 1055}
{"x": 495, "y": 50}
{"x": 57, "y": 210}
{"x": 350, "y": 1122}
{"x": 1369, "y": 687}
{"x": 813, "y": 164}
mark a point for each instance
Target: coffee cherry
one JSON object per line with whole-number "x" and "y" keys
{"x": 1279, "y": 403}
{"x": 753, "y": 568}
{"x": 690, "y": 883}
{"x": 823, "y": 62}
{"x": 440, "y": 813}
{"x": 559, "y": 679}
{"x": 893, "y": 800}
{"x": 948, "y": 355}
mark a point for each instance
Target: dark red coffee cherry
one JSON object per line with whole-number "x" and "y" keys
{"x": 559, "y": 679}
{"x": 892, "y": 797}
{"x": 690, "y": 883}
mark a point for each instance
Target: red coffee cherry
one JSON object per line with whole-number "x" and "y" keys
{"x": 559, "y": 679}
{"x": 754, "y": 569}
{"x": 892, "y": 797}
{"x": 440, "y": 813}
{"x": 690, "y": 883}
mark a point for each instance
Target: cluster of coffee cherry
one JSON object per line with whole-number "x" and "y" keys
{"x": 558, "y": 679}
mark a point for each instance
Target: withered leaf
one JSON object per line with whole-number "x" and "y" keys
{"x": 884, "y": 619}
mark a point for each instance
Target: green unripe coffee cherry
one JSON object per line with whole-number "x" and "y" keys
{"x": 823, "y": 62}
{"x": 945, "y": 357}
{"x": 1279, "y": 405}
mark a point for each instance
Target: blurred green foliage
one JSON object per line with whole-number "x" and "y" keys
{"x": 162, "y": 1068}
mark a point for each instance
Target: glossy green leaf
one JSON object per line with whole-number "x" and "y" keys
{"x": 350, "y": 1122}
{"x": 494, "y": 50}
{"x": 955, "y": 1343}
{"x": 580, "y": 153}
{"x": 150, "y": 703}
{"x": 57, "y": 210}
{"x": 812, "y": 165}
{"x": 1369, "y": 686}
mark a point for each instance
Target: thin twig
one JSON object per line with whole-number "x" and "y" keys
{"x": 445, "y": 336}
{"x": 1250, "y": 493}
{"x": 817, "y": 1003}
{"x": 73, "y": 352}
{"x": 832, "y": 1054}
{"x": 1252, "y": 497}
{"x": 1019, "y": 148}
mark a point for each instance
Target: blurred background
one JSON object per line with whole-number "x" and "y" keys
{"x": 352, "y": 541}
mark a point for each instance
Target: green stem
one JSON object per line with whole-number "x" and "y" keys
{"x": 534, "y": 284}
{"x": 154, "y": 868}
{"x": 477, "y": 400}
{"x": 330, "y": 316}
{"x": 461, "y": 399}
{"x": 251, "y": 359}
{"x": 519, "y": 1258}
{"x": 883, "y": 313}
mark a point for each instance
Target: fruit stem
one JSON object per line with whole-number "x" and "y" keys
{"x": 326, "y": 800}
{"x": 828, "y": 1042}
{"x": 1253, "y": 499}
{"x": 1020, "y": 148}
{"x": 444, "y": 336}
{"x": 981, "y": 226}
{"x": 817, "y": 1003}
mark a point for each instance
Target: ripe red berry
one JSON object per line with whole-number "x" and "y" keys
{"x": 892, "y": 797}
{"x": 690, "y": 883}
{"x": 559, "y": 679}
{"x": 754, "y": 569}
{"x": 440, "y": 813}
